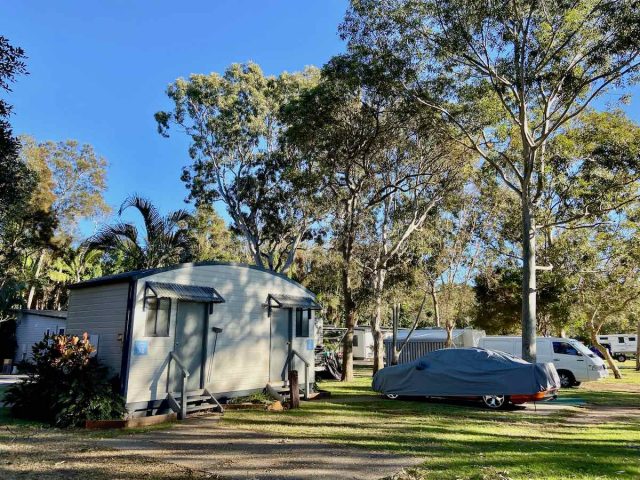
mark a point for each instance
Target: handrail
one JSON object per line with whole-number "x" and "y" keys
{"x": 294, "y": 352}
{"x": 175, "y": 358}
{"x": 306, "y": 371}
{"x": 183, "y": 383}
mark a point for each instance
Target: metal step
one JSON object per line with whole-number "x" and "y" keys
{"x": 204, "y": 406}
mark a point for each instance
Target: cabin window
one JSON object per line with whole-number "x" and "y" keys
{"x": 620, "y": 339}
{"x": 302, "y": 323}
{"x": 632, "y": 339}
{"x": 355, "y": 340}
{"x": 157, "y": 317}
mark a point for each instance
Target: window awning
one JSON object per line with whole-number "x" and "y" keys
{"x": 192, "y": 293}
{"x": 292, "y": 301}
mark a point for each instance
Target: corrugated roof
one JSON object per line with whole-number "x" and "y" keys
{"x": 138, "y": 274}
{"x": 45, "y": 313}
{"x": 427, "y": 335}
{"x": 194, "y": 293}
{"x": 292, "y": 301}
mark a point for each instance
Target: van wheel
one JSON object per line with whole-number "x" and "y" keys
{"x": 566, "y": 378}
{"x": 621, "y": 357}
{"x": 495, "y": 402}
{"x": 392, "y": 396}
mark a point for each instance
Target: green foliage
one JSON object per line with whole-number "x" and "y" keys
{"x": 234, "y": 124}
{"x": 65, "y": 385}
{"x": 166, "y": 240}
{"x": 16, "y": 179}
{"x": 71, "y": 181}
{"x": 211, "y": 239}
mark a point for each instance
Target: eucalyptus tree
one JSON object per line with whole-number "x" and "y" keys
{"x": 233, "y": 122}
{"x": 382, "y": 170}
{"x": 70, "y": 187}
{"x": 425, "y": 170}
{"x": 511, "y": 75}
{"x": 166, "y": 239}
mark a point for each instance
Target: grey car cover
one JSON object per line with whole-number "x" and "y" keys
{"x": 466, "y": 372}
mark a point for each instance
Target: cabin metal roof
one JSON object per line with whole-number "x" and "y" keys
{"x": 138, "y": 274}
{"x": 45, "y": 313}
{"x": 193, "y": 293}
{"x": 292, "y": 301}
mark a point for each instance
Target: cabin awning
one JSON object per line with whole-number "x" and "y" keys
{"x": 191, "y": 293}
{"x": 292, "y": 301}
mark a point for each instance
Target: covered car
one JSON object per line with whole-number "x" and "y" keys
{"x": 495, "y": 377}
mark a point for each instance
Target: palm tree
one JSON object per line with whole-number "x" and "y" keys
{"x": 166, "y": 239}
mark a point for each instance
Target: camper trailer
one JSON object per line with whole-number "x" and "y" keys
{"x": 183, "y": 337}
{"x": 426, "y": 340}
{"x": 620, "y": 345}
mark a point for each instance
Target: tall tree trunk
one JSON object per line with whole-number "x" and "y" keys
{"x": 350, "y": 323}
{"x": 436, "y": 305}
{"x": 376, "y": 323}
{"x": 607, "y": 356}
{"x": 32, "y": 289}
{"x": 638, "y": 347}
{"x": 528, "y": 281}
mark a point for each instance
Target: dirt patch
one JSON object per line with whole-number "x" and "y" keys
{"x": 50, "y": 454}
{"x": 595, "y": 415}
{"x": 202, "y": 444}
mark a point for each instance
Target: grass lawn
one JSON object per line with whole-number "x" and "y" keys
{"x": 467, "y": 442}
{"x": 453, "y": 441}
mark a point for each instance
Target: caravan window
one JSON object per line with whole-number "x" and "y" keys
{"x": 302, "y": 323}
{"x": 620, "y": 339}
{"x": 632, "y": 339}
{"x": 157, "y": 324}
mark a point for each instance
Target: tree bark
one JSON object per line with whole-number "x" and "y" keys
{"x": 32, "y": 289}
{"x": 376, "y": 324}
{"x": 436, "y": 306}
{"x": 638, "y": 347}
{"x": 294, "y": 390}
{"x": 350, "y": 324}
{"x": 528, "y": 281}
{"x": 607, "y": 356}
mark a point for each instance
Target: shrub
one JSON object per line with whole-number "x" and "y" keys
{"x": 65, "y": 385}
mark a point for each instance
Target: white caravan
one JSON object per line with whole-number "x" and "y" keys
{"x": 574, "y": 362}
{"x": 620, "y": 345}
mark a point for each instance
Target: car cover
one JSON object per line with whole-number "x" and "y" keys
{"x": 466, "y": 372}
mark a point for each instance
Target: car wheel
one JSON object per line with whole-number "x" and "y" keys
{"x": 566, "y": 378}
{"x": 392, "y": 396}
{"x": 494, "y": 402}
{"x": 621, "y": 358}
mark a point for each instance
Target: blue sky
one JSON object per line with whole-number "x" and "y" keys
{"x": 98, "y": 71}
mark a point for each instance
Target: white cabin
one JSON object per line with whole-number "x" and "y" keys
{"x": 224, "y": 329}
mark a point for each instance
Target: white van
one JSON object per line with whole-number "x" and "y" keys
{"x": 574, "y": 362}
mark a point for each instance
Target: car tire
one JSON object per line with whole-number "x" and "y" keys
{"x": 495, "y": 402}
{"x": 621, "y": 357}
{"x": 392, "y": 396}
{"x": 566, "y": 378}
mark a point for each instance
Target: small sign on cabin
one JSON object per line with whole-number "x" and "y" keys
{"x": 141, "y": 347}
